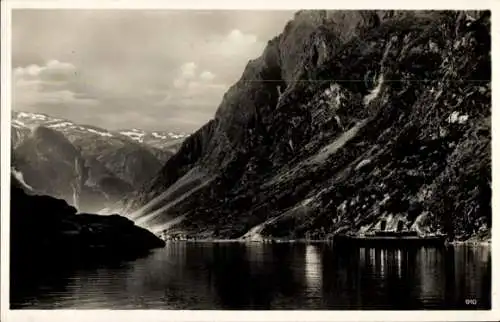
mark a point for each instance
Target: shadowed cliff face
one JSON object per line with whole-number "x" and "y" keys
{"x": 43, "y": 226}
{"x": 50, "y": 164}
{"x": 346, "y": 118}
{"x": 34, "y": 158}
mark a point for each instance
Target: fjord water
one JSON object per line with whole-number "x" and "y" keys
{"x": 253, "y": 276}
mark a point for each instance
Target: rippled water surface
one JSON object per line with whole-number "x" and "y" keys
{"x": 186, "y": 275}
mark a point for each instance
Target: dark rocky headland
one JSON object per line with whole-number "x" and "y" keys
{"x": 49, "y": 238}
{"x": 45, "y": 229}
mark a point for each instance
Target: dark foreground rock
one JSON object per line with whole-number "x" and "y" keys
{"x": 45, "y": 228}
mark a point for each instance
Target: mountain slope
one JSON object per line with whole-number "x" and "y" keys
{"x": 87, "y": 166}
{"x": 345, "y": 119}
{"x": 161, "y": 144}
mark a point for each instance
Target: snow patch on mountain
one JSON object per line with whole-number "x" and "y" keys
{"x": 156, "y": 135}
{"x": 176, "y": 136}
{"x": 141, "y": 136}
{"x": 32, "y": 116}
{"x": 100, "y": 133}
{"x": 157, "y": 139}
{"x": 60, "y": 125}
{"x": 18, "y": 124}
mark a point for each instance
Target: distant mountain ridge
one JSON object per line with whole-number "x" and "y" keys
{"x": 89, "y": 167}
{"x": 25, "y": 120}
{"x": 163, "y": 140}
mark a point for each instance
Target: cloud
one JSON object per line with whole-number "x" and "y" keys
{"x": 230, "y": 52}
{"x": 207, "y": 76}
{"x": 51, "y": 83}
{"x": 236, "y": 36}
{"x": 188, "y": 70}
{"x": 28, "y": 71}
{"x": 235, "y": 43}
{"x": 193, "y": 89}
{"x": 53, "y": 69}
{"x": 197, "y": 88}
{"x": 149, "y": 81}
{"x": 180, "y": 83}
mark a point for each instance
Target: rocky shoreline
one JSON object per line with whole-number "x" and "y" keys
{"x": 304, "y": 241}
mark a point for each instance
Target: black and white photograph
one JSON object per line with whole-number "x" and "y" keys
{"x": 248, "y": 159}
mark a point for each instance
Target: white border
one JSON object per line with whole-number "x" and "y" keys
{"x": 164, "y": 315}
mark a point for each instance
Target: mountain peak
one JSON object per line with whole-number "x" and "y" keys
{"x": 317, "y": 135}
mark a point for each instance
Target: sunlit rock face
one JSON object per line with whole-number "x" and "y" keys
{"x": 345, "y": 118}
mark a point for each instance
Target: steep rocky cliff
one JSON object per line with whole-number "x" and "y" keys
{"x": 346, "y": 118}
{"x": 50, "y": 164}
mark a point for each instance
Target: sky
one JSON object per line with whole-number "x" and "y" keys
{"x": 117, "y": 69}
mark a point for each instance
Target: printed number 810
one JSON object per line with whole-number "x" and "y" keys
{"x": 471, "y": 302}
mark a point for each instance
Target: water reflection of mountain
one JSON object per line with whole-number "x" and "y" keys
{"x": 430, "y": 275}
{"x": 313, "y": 271}
{"x": 410, "y": 278}
{"x": 270, "y": 276}
{"x": 368, "y": 278}
{"x": 471, "y": 270}
{"x": 256, "y": 276}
